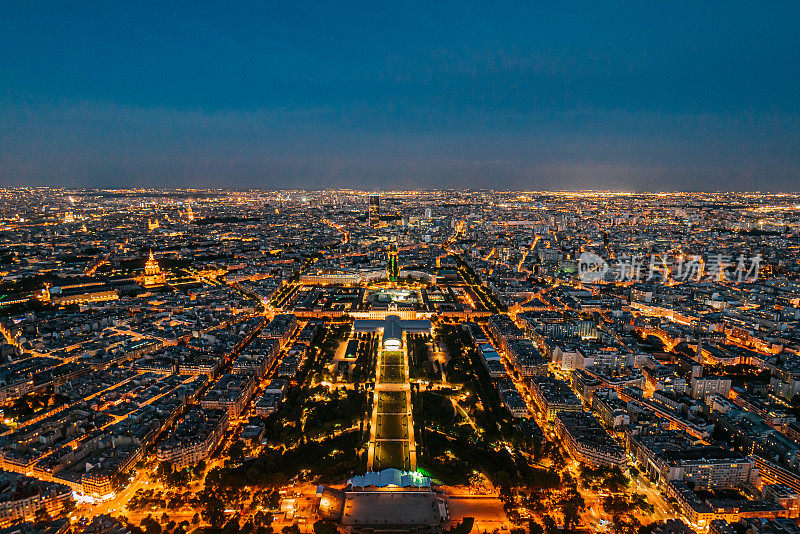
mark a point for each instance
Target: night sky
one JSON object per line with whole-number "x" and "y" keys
{"x": 639, "y": 95}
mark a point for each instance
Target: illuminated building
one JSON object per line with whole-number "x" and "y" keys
{"x": 194, "y": 438}
{"x": 153, "y": 276}
{"x": 83, "y": 294}
{"x": 392, "y": 328}
{"x": 587, "y": 441}
{"x": 22, "y": 497}
{"x": 374, "y": 209}
{"x": 553, "y": 396}
{"x": 230, "y": 393}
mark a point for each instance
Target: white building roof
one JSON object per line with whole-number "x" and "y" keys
{"x": 390, "y": 477}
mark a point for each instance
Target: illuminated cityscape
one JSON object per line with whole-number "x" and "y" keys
{"x": 399, "y": 267}
{"x": 461, "y": 360}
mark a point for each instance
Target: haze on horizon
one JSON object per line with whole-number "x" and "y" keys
{"x": 415, "y": 95}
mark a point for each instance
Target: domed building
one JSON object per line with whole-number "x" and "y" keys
{"x": 153, "y": 276}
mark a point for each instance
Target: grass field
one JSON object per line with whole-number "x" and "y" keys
{"x": 392, "y": 402}
{"x": 392, "y": 426}
{"x": 391, "y": 454}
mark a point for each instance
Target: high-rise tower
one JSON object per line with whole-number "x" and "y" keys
{"x": 374, "y": 209}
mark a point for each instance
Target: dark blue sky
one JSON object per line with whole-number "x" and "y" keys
{"x": 659, "y": 96}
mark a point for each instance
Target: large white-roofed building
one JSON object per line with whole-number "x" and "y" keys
{"x": 392, "y": 328}
{"x": 390, "y": 478}
{"x": 386, "y": 501}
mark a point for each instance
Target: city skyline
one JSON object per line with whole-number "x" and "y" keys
{"x": 414, "y": 362}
